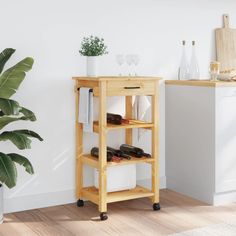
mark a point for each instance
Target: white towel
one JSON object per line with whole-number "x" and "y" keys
{"x": 141, "y": 106}
{"x": 86, "y": 109}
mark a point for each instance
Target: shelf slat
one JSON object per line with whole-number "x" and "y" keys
{"x": 90, "y": 160}
{"x": 93, "y": 161}
{"x": 91, "y": 193}
{"x": 132, "y": 124}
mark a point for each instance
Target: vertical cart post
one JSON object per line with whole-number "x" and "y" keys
{"x": 102, "y": 150}
{"x": 128, "y": 115}
{"x": 79, "y": 147}
{"x": 155, "y": 148}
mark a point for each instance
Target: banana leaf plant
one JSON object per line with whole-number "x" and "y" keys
{"x": 11, "y": 111}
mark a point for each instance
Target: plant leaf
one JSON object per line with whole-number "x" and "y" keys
{"x": 20, "y": 138}
{"x": 21, "y": 160}
{"x": 29, "y": 133}
{"x": 8, "y": 172}
{"x": 28, "y": 113}
{"x": 4, "y": 57}
{"x": 5, "y": 120}
{"x": 9, "y": 107}
{"x": 11, "y": 79}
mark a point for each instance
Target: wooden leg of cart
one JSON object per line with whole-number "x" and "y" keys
{"x": 128, "y": 115}
{"x": 102, "y": 151}
{"x": 155, "y": 150}
{"x": 79, "y": 151}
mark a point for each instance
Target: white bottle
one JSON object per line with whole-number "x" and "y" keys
{"x": 183, "y": 68}
{"x": 194, "y": 73}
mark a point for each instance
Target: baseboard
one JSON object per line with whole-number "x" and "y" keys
{"x": 23, "y": 203}
{"x": 224, "y": 198}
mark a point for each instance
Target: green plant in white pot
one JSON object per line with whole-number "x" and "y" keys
{"x": 92, "y": 47}
{"x": 11, "y": 111}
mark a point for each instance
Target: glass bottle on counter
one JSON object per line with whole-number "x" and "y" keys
{"x": 214, "y": 70}
{"x": 184, "y": 67}
{"x": 194, "y": 73}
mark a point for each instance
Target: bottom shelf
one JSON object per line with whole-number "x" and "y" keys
{"x": 91, "y": 193}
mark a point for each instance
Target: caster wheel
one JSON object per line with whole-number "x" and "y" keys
{"x": 156, "y": 207}
{"x": 80, "y": 203}
{"x": 103, "y": 216}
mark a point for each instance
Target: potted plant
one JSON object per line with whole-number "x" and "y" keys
{"x": 11, "y": 111}
{"x": 92, "y": 47}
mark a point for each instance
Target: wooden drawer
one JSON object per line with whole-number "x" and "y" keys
{"x": 129, "y": 88}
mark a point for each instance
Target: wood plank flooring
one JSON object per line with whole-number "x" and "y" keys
{"x": 129, "y": 218}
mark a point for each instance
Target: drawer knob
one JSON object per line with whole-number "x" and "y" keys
{"x": 132, "y": 87}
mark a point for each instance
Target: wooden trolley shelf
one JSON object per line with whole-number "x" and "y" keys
{"x": 92, "y": 194}
{"x": 104, "y": 87}
{"x": 94, "y": 162}
{"x": 132, "y": 124}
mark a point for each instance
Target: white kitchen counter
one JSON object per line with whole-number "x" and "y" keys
{"x": 201, "y": 83}
{"x": 201, "y": 139}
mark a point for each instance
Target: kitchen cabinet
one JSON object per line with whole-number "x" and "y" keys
{"x": 201, "y": 139}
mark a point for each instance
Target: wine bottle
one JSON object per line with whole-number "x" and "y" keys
{"x": 184, "y": 67}
{"x": 133, "y": 151}
{"x": 95, "y": 153}
{"x": 194, "y": 73}
{"x": 114, "y": 119}
{"x": 119, "y": 153}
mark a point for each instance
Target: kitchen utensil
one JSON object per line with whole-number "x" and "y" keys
{"x": 226, "y": 45}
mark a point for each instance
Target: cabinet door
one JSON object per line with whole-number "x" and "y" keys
{"x": 225, "y": 175}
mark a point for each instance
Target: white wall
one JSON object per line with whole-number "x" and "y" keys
{"x": 51, "y": 31}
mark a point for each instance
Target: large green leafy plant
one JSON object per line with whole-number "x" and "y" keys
{"x": 11, "y": 111}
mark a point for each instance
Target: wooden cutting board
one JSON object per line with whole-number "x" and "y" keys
{"x": 226, "y": 46}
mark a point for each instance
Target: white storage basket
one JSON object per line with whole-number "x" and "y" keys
{"x": 118, "y": 177}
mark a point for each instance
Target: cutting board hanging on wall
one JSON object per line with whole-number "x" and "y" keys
{"x": 226, "y": 46}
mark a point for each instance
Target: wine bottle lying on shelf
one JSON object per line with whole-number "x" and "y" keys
{"x": 95, "y": 153}
{"x": 119, "y": 153}
{"x": 133, "y": 151}
{"x": 116, "y": 119}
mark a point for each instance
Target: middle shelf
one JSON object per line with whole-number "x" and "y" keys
{"x": 93, "y": 161}
{"x": 132, "y": 124}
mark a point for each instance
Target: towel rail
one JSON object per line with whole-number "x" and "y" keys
{"x": 90, "y": 90}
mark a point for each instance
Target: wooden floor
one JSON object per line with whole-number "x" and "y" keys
{"x": 178, "y": 213}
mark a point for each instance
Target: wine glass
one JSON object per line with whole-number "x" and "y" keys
{"x": 129, "y": 61}
{"x": 214, "y": 70}
{"x": 136, "y": 62}
{"x": 120, "y": 61}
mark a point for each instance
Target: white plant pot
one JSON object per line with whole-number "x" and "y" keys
{"x": 1, "y": 204}
{"x": 92, "y": 66}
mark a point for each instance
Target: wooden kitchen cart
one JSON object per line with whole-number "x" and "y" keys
{"x": 104, "y": 87}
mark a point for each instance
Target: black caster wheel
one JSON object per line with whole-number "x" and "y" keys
{"x": 156, "y": 207}
{"x": 80, "y": 203}
{"x": 103, "y": 216}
